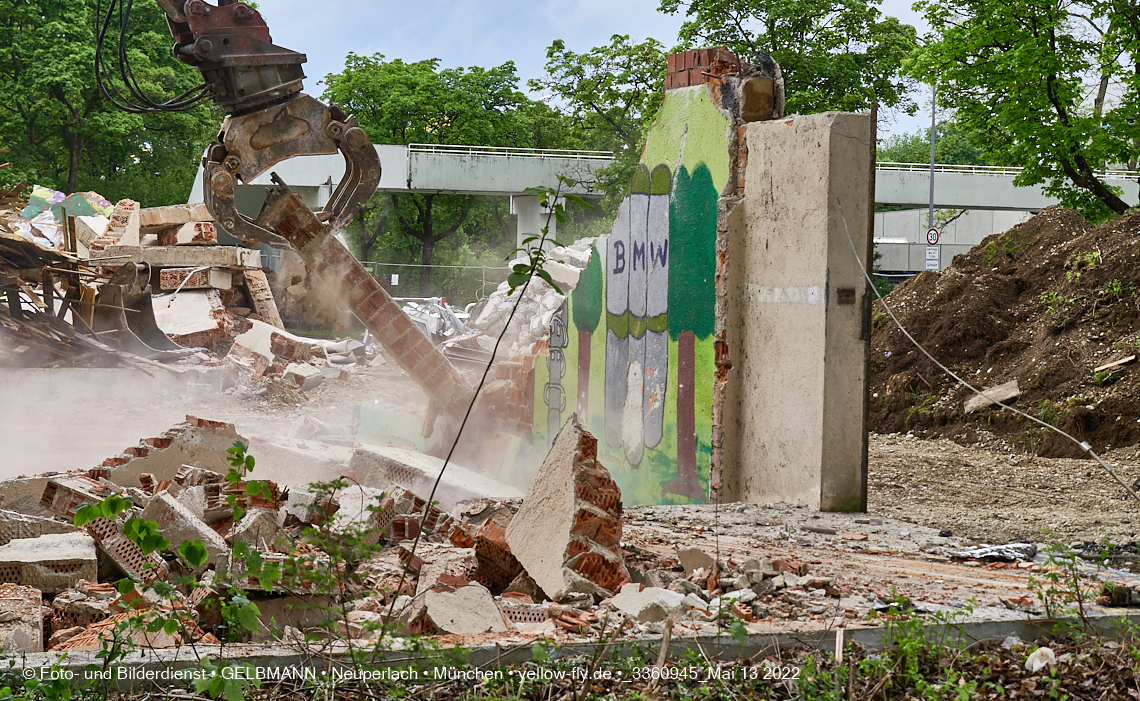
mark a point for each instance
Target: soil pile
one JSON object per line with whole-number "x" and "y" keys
{"x": 1046, "y": 303}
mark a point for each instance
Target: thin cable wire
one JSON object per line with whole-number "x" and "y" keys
{"x": 138, "y": 102}
{"x": 1082, "y": 444}
{"x": 466, "y": 416}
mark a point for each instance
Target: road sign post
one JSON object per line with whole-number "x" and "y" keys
{"x": 933, "y": 258}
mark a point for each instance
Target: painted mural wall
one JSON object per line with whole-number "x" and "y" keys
{"x": 631, "y": 350}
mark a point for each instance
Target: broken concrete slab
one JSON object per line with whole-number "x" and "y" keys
{"x": 64, "y": 495}
{"x": 206, "y": 502}
{"x": 87, "y": 229}
{"x": 179, "y": 524}
{"x": 310, "y": 506}
{"x": 299, "y": 462}
{"x": 693, "y": 559}
{"x": 124, "y": 226}
{"x": 262, "y": 296}
{"x": 258, "y": 528}
{"x": 198, "y": 443}
{"x": 304, "y": 376}
{"x": 569, "y": 526}
{"x": 360, "y": 507}
{"x": 51, "y": 563}
{"x": 15, "y": 525}
{"x": 81, "y": 606}
{"x": 992, "y": 395}
{"x": 192, "y": 318}
{"x": 467, "y": 610}
{"x": 360, "y": 624}
{"x": 648, "y": 605}
{"x": 264, "y": 344}
{"x": 181, "y": 256}
{"x": 378, "y": 466}
{"x": 172, "y": 279}
{"x": 153, "y": 220}
{"x": 191, "y": 234}
{"x": 21, "y": 619}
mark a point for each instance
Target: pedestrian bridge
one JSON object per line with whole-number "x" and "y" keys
{"x": 426, "y": 168}
{"x": 974, "y": 187}
{"x": 484, "y": 170}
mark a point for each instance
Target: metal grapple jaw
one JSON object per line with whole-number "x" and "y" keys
{"x": 251, "y": 144}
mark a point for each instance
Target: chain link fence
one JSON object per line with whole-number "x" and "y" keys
{"x": 460, "y": 284}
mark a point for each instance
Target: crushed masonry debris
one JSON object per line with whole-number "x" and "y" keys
{"x": 507, "y": 567}
{"x": 21, "y": 619}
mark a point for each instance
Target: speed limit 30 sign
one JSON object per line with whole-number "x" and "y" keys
{"x": 932, "y": 237}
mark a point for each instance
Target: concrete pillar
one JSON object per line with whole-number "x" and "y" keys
{"x": 795, "y": 407}
{"x": 532, "y": 218}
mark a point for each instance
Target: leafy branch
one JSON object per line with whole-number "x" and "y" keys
{"x": 537, "y": 256}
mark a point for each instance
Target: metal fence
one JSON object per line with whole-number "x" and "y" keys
{"x": 985, "y": 170}
{"x": 510, "y": 152}
{"x": 460, "y": 284}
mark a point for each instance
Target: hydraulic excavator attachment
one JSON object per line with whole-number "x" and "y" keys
{"x": 269, "y": 120}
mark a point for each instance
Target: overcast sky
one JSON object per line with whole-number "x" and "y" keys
{"x": 483, "y": 32}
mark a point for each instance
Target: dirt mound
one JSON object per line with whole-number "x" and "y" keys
{"x": 1045, "y": 303}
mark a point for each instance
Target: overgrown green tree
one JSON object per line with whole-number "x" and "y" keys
{"x": 834, "y": 54}
{"x": 405, "y": 103}
{"x": 65, "y": 135}
{"x": 612, "y": 94}
{"x": 1017, "y": 74}
{"x": 953, "y": 145}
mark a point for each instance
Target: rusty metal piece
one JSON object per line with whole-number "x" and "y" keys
{"x": 262, "y": 139}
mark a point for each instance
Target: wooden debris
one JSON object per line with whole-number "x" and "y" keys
{"x": 1115, "y": 363}
{"x": 993, "y": 395}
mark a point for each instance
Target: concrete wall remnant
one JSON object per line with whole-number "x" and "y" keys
{"x": 192, "y": 318}
{"x": 639, "y": 324}
{"x": 669, "y": 324}
{"x": 798, "y": 306}
{"x": 124, "y": 226}
{"x": 568, "y": 531}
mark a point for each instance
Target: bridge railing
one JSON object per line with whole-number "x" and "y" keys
{"x": 988, "y": 170}
{"x": 510, "y": 152}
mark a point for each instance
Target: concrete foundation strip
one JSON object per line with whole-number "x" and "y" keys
{"x": 717, "y": 649}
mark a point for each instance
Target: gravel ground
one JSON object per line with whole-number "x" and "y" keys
{"x": 989, "y": 492}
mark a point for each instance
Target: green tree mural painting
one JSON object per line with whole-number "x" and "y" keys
{"x": 692, "y": 296}
{"x": 587, "y": 299}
